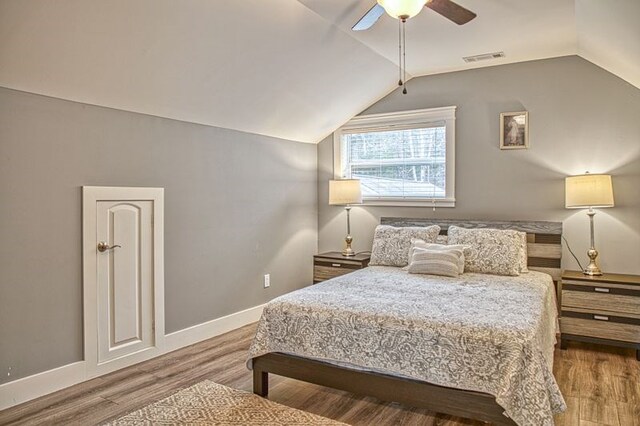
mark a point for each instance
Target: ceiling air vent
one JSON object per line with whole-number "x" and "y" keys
{"x": 484, "y": 57}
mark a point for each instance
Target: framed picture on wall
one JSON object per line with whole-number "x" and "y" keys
{"x": 514, "y": 130}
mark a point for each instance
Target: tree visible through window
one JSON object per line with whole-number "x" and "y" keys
{"x": 401, "y": 158}
{"x": 408, "y": 163}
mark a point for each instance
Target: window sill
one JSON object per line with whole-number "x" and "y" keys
{"x": 440, "y": 202}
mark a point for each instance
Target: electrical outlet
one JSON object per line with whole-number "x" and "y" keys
{"x": 267, "y": 280}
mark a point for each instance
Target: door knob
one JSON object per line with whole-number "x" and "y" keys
{"x": 102, "y": 246}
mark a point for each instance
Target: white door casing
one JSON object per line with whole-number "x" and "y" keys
{"x": 123, "y": 284}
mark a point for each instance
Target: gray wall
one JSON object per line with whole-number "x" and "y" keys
{"x": 237, "y": 206}
{"x": 581, "y": 118}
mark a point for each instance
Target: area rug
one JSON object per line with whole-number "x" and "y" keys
{"x": 208, "y": 403}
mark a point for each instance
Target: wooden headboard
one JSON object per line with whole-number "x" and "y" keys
{"x": 544, "y": 238}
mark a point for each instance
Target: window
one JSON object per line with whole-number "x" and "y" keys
{"x": 402, "y": 158}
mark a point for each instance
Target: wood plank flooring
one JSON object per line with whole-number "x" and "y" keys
{"x": 601, "y": 386}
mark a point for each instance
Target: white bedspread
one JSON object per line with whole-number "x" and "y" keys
{"x": 485, "y": 333}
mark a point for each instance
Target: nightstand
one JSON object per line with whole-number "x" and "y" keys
{"x": 604, "y": 309}
{"x": 333, "y": 264}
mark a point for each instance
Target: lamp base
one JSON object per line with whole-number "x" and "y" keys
{"x": 348, "y": 251}
{"x": 592, "y": 268}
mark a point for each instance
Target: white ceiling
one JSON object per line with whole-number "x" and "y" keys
{"x": 268, "y": 67}
{"x": 285, "y": 68}
{"x": 609, "y": 36}
{"x": 523, "y": 29}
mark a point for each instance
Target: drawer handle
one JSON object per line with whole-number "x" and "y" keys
{"x": 601, "y": 290}
{"x": 337, "y": 265}
{"x": 601, "y": 318}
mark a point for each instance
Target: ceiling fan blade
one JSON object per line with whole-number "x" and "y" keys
{"x": 369, "y": 18}
{"x": 451, "y": 11}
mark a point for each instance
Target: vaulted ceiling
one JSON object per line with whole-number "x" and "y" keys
{"x": 285, "y": 68}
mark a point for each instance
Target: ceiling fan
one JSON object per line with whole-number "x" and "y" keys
{"x": 405, "y": 9}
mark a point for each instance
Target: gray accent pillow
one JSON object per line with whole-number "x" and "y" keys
{"x": 391, "y": 244}
{"x": 443, "y": 262}
{"x": 491, "y": 251}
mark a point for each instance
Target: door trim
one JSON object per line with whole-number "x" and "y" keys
{"x": 90, "y": 196}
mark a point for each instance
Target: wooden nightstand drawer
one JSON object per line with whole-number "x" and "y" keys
{"x": 601, "y": 326}
{"x": 600, "y": 296}
{"x": 321, "y": 273}
{"x": 333, "y": 264}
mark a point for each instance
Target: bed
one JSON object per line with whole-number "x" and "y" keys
{"x": 477, "y": 346}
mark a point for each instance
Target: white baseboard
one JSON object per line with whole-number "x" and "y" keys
{"x": 30, "y": 387}
{"x": 209, "y": 329}
{"x": 41, "y": 384}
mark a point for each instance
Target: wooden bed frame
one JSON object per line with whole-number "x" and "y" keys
{"x": 544, "y": 251}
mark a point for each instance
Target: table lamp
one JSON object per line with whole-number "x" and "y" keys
{"x": 589, "y": 191}
{"x": 344, "y": 193}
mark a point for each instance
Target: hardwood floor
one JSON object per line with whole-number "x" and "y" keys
{"x": 601, "y": 386}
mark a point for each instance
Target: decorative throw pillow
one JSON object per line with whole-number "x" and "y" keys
{"x": 524, "y": 253}
{"x": 391, "y": 244}
{"x": 435, "y": 262}
{"x": 420, "y": 244}
{"x": 442, "y": 239}
{"x": 491, "y": 251}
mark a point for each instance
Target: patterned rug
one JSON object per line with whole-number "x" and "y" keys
{"x": 208, "y": 403}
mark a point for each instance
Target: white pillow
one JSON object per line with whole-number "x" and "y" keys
{"x": 391, "y": 244}
{"x": 491, "y": 251}
{"x": 435, "y": 262}
{"x": 421, "y": 244}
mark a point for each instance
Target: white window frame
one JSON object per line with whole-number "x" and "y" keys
{"x": 404, "y": 120}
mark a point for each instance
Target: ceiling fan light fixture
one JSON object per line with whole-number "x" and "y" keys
{"x": 402, "y": 9}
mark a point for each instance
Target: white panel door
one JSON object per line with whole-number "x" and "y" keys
{"x": 123, "y": 279}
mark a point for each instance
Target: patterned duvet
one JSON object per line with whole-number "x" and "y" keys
{"x": 479, "y": 332}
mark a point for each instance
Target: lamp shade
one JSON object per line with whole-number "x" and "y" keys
{"x": 346, "y": 191}
{"x": 588, "y": 191}
{"x": 402, "y": 9}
